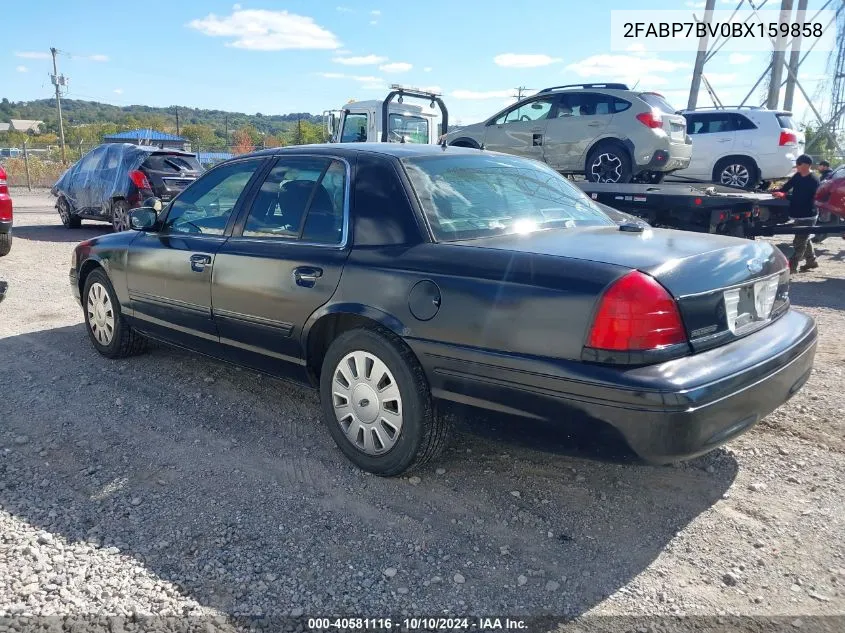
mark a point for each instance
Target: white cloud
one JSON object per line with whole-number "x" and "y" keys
{"x": 515, "y": 60}
{"x": 264, "y": 30}
{"x": 373, "y": 22}
{"x": 33, "y": 55}
{"x": 396, "y": 67}
{"x": 479, "y": 95}
{"x": 627, "y": 68}
{"x": 739, "y": 58}
{"x": 368, "y": 79}
{"x": 98, "y": 58}
{"x": 360, "y": 60}
{"x": 236, "y": 7}
{"x": 427, "y": 69}
{"x": 375, "y": 12}
{"x": 22, "y": 69}
{"x": 118, "y": 91}
{"x": 345, "y": 10}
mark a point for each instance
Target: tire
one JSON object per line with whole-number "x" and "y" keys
{"x": 419, "y": 432}
{"x": 649, "y": 177}
{"x": 736, "y": 172}
{"x": 608, "y": 162}
{"x": 69, "y": 220}
{"x": 118, "y": 340}
{"x": 5, "y": 243}
{"x": 120, "y": 216}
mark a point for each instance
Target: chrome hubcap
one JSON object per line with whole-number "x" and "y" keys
{"x": 63, "y": 212}
{"x": 367, "y": 402}
{"x": 100, "y": 314}
{"x": 607, "y": 168}
{"x": 735, "y": 175}
{"x": 120, "y": 218}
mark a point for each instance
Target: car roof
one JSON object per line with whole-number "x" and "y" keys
{"x": 397, "y": 150}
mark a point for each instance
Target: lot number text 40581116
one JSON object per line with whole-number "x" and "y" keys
{"x": 413, "y": 624}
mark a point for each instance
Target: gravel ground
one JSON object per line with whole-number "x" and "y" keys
{"x": 172, "y": 484}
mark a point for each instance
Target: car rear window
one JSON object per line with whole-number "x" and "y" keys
{"x": 785, "y": 121}
{"x": 172, "y": 162}
{"x": 475, "y": 196}
{"x": 658, "y": 101}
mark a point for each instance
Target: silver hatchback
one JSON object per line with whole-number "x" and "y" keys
{"x": 607, "y": 132}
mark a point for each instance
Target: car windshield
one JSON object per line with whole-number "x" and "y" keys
{"x": 414, "y": 129}
{"x": 475, "y": 196}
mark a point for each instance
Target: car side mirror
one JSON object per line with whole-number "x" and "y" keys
{"x": 153, "y": 203}
{"x": 143, "y": 218}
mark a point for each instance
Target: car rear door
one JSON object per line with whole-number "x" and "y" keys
{"x": 84, "y": 183}
{"x": 578, "y": 120}
{"x": 713, "y": 137}
{"x": 169, "y": 271}
{"x": 283, "y": 261}
{"x": 522, "y": 129}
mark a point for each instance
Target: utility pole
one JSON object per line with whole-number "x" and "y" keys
{"x": 227, "y": 129}
{"x": 177, "y": 120}
{"x": 700, "y": 58}
{"x": 778, "y": 57}
{"x": 57, "y": 80}
{"x": 519, "y": 92}
{"x": 794, "y": 60}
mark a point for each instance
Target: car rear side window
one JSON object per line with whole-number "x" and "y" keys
{"x": 302, "y": 197}
{"x": 468, "y": 197}
{"x": 742, "y": 123}
{"x": 587, "y": 104}
{"x": 205, "y": 207}
{"x": 354, "y": 129}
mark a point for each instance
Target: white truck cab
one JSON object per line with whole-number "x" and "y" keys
{"x": 390, "y": 120}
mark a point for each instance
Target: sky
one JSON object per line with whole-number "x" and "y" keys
{"x": 310, "y": 56}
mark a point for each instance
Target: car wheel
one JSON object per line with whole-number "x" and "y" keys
{"x": 608, "y": 163}
{"x": 5, "y": 243}
{"x": 111, "y": 335}
{"x": 66, "y": 214}
{"x": 120, "y": 216}
{"x": 377, "y": 404}
{"x": 649, "y": 177}
{"x": 736, "y": 172}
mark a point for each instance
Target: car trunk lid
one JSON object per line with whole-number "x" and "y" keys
{"x": 170, "y": 172}
{"x": 725, "y": 287}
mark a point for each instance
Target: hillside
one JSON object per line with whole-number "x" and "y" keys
{"x": 77, "y": 112}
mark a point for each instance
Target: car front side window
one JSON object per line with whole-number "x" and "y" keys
{"x": 205, "y": 207}
{"x": 534, "y": 111}
{"x": 354, "y": 129}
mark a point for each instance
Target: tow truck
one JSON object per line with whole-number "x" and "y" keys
{"x": 703, "y": 208}
{"x": 389, "y": 120}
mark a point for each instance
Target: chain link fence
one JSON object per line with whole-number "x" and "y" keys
{"x": 38, "y": 165}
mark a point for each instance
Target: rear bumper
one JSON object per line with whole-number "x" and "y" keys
{"x": 5, "y": 226}
{"x": 673, "y": 157}
{"x": 668, "y": 412}
{"x": 779, "y": 165}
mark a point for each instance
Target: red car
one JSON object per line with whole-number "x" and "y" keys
{"x": 5, "y": 215}
{"x": 830, "y": 198}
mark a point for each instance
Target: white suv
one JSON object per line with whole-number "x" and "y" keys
{"x": 741, "y": 146}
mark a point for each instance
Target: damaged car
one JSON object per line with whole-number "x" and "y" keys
{"x": 114, "y": 178}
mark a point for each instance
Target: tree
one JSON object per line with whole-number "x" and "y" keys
{"x": 243, "y": 141}
{"x": 201, "y": 136}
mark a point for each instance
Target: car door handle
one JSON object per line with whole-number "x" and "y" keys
{"x": 199, "y": 262}
{"x": 724, "y": 140}
{"x": 306, "y": 276}
{"x": 536, "y": 129}
{"x": 594, "y": 123}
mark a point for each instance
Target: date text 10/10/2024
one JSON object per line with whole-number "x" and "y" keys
{"x": 387, "y": 624}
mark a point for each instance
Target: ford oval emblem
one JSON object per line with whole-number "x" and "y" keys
{"x": 755, "y": 265}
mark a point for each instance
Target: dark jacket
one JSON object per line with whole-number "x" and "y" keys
{"x": 825, "y": 175}
{"x": 803, "y": 192}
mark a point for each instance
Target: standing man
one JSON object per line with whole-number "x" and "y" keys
{"x": 825, "y": 171}
{"x": 802, "y": 186}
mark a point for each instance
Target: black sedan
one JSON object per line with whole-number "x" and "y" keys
{"x": 393, "y": 276}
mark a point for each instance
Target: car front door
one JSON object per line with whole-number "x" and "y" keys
{"x": 169, "y": 271}
{"x": 283, "y": 261}
{"x": 521, "y": 130}
{"x": 578, "y": 120}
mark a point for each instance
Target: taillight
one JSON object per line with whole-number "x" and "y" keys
{"x": 4, "y": 186}
{"x": 788, "y": 137}
{"x": 650, "y": 119}
{"x": 139, "y": 178}
{"x": 636, "y": 313}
